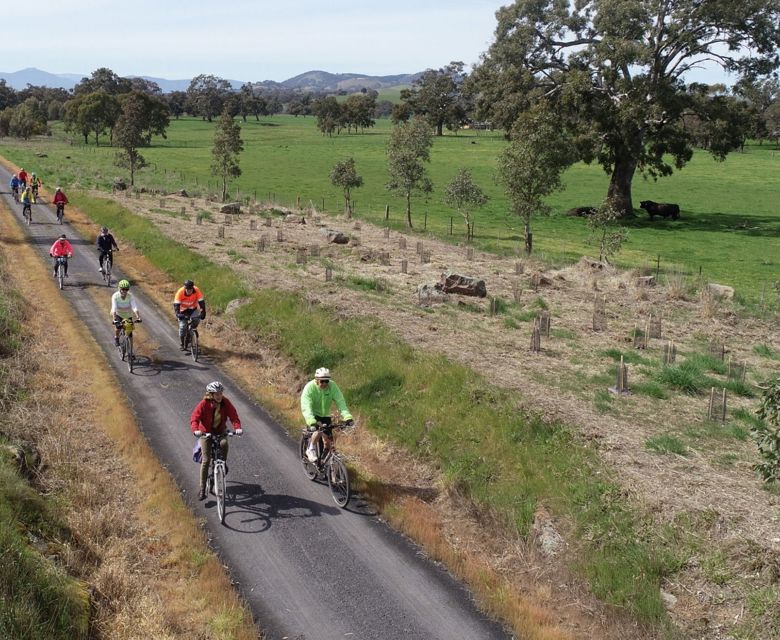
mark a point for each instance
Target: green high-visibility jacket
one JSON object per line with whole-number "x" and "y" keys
{"x": 316, "y": 402}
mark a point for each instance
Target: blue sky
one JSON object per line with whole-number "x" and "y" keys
{"x": 251, "y": 40}
{"x": 247, "y": 39}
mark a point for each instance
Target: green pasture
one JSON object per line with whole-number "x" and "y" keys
{"x": 728, "y": 231}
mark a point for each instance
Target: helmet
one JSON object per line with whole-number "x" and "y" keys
{"x": 189, "y": 284}
{"x": 323, "y": 373}
{"x": 58, "y": 189}
{"x": 33, "y": 174}
{"x": 103, "y": 229}
{"x": 124, "y": 284}
{"x": 63, "y": 236}
{"x": 215, "y": 387}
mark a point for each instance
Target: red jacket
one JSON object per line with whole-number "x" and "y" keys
{"x": 60, "y": 197}
{"x": 202, "y": 417}
{"x": 61, "y": 248}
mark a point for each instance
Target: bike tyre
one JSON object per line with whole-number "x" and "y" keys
{"x": 338, "y": 481}
{"x": 27, "y": 213}
{"x": 107, "y": 271}
{"x": 220, "y": 490}
{"x": 60, "y": 215}
{"x": 60, "y": 276}
{"x": 194, "y": 345}
{"x": 309, "y": 468}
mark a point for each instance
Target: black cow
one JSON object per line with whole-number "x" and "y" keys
{"x": 581, "y": 211}
{"x": 663, "y": 209}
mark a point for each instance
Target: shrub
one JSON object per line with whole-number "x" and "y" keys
{"x": 767, "y": 433}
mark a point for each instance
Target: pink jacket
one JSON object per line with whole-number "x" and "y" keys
{"x": 61, "y": 248}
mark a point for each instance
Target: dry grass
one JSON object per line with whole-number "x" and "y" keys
{"x": 127, "y": 520}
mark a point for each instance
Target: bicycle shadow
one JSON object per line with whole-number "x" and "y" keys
{"x": 249, "y": 509}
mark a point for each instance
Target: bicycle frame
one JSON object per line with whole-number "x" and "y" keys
{"x": 329, "y": 463}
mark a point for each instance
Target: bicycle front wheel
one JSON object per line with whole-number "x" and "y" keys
{"x": 338, "y": 481}
{"x": 60, "y": 276}
{"x": 130, "y": 354}
{"x": 194, "y": 345}
{"x": 107, "y": 271}
{"x": 220, "y": 490}
{"x": 309, "y": 468}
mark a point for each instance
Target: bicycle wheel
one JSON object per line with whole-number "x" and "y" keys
{"x": 338, "y": 481}
{"x": 122, "y": 345}
{"x": 309, "y": 468}
{"x": 194, "y": 345}
{"x": 130, "y": 354}
{"x": 60, "y": 214}
{"x": 27, "y": 213}
{"x": 219, "y": 490}
{"x": 107, "y": 271}
{"x": 60, "y": 275}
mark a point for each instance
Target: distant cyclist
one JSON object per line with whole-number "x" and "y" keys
{"x": 123, "y": 305}
{"x": 105, "y": 245}
{"x": 23, "y": 177}
{"x": 317, "y": 398}
{"x": 186, "y": 301}
{"x": 210, "y": 416}
{"x": 60, "y": 249}
{"x": 15, "y": 184}
{"x": 35, "y": 184}
{"x": 27, "y": 197}
{"x": 60, "y": 199}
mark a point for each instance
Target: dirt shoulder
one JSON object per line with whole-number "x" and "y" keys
{"x": 712, "y": 484}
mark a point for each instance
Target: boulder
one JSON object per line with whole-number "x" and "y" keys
{"x": 431, "y": 293}
{"x": 293, "y": 218}
{"x": 234, "y": 304}
{"x": 720, "y": 290}
{"x": 645, "y": 281}
{"x": 119, "y": 185}
{"x": 183, "y": 193}
{"x": 462, "y": 285}
{"x": 334, "y": 236}
{"x": 230, "y": 207}
{"x": 592, "y": 264}
{"x": 538, "y": 279}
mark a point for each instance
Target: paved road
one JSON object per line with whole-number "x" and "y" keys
{"x": 308, "y": 569}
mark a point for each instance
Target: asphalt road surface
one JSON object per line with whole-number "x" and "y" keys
{"x": 309, "y": 570}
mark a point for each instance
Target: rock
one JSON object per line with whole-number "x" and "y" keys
{"x": 231, "y": 207}
{"x": 233, "y": 305}
{"x": 183, "y": 193}
{"x": 592, "y": 264}
{"x": 462, "y": 285}
{"x": 538, "y": 279}
{"x": 550, "y": 541}
{"x": 645, "y": 281}
{"x": 334, "y": 236}
{"x": 119, "y": 185}
{"x": 293, "y": 218}
{"x": 431, "y": 294}
{"x": 668, "y": 599}
{"x": 581, "y": 211}
{"x": 41, "y": 155}
{"x": 720, "y": 290}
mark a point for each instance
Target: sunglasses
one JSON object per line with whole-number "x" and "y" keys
{"x": 323, "y": 382}
{"x": 125, "y": 290}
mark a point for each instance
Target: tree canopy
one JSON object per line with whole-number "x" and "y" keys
{"x": 206, "y": 96}
{"x": 227, "y": 147}
{"x": 408, "y": 149}
{"x": 437, "y": 95}
{"x": 615, "y": 70}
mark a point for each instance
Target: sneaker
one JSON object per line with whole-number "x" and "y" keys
{"x": 311, "y": 454}
{"x": 100, "y": 270}
{"x": 202, "y": 494}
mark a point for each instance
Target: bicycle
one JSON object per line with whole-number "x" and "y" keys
{"x": 329, "y": 462}
{"x": 192, "y": 340}
{"x": 27, "y": 213}
{"x": 60, "y": 270}
{"x": 215, "y": 481}
{"x": 60, "y": 211}
{"x": 15, "y": 192}
{"x": 126, "y": 328}
{"x": 106, "y": 264}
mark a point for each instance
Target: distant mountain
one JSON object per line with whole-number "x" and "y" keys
{"x": 20, "y": 79}
{"x": 309, "y": 81}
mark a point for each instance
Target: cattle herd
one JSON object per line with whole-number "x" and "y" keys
{"x": 663, "y": 209}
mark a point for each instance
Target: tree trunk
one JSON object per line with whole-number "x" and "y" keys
{"x": 620, "y": 185}
{"x": 439, "y": 128}
{"x": 409, "y": 210}
{"x": 529, "y": 237}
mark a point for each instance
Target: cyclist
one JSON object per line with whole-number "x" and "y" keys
{"x": 23, "y": 177}
{"x": 27, "y": 197}
{"x": 60, "y": 249}
{"x": 210, "y": 416}
{"x": 60, "y": 199}
{"x": 317, "y": 398}
{"x": 35, "y": 184}
{"x": 105, "y": 245}
{"x": 14, "y": 184}
{"x": 123, "y": 305}
{"x": 187, "y": 299}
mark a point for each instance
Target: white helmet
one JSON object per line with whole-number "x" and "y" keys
{"x": 214, "y": 387}
{"x": 323, "y": 373}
